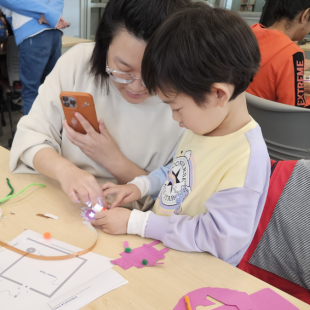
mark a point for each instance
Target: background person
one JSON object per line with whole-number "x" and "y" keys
{"x": 39, "y": 49}
{"x": 281, "y": 74}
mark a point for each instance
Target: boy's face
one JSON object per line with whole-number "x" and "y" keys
{"x": 202, "y": 120}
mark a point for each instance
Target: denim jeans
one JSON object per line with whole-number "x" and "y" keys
{"x": 37, "y": 57}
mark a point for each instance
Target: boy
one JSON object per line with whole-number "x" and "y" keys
{"x": 200, "y": 61}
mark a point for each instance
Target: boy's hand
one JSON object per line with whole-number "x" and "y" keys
{"x": 124, "y": 193}
{"x": 113, "y": 222}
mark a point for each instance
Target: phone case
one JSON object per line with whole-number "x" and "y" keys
{"x": 83, "y": 103}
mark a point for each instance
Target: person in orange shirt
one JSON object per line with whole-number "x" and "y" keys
{"x": 281, "y": 75}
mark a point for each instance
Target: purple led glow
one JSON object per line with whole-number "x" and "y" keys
{"x": 88, "y": 214}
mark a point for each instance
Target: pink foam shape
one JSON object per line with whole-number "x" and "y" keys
{"x": 234, "y": 299}
{"x": 135, "y": 257}
{"x": 265, "y": 299}
{"x": 196, "y": 298}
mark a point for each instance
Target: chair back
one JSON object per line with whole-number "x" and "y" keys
{"x": 12, "y": 60}
{"x": 286, "y": 129}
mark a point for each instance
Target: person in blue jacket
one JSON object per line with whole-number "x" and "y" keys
{"x": 37, "y": 29}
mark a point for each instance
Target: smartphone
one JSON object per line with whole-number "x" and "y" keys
{"x": 83, "y": 103}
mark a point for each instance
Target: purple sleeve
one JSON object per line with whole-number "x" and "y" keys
{"x": 225, "y": 231}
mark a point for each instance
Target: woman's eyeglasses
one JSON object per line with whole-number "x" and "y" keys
{"x": 121, "y": 77}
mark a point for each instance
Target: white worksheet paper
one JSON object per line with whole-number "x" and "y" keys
{"x": 27, "y": 283}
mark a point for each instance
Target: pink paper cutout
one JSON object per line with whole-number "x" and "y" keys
{"x": 236, "y": 300}
{"x": 196, "y": 298}
{"x": 265, "y": 299}
{"x": 135, "y": 257}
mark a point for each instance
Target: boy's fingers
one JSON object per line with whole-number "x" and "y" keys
{"x": 105, "y": 230}
{"x": 99, "y": 222}
{"x": 108, "y": 185}
{"x": 100, "y": 215}
{"x": 118, "y": 199}
{"x": 127, "y": 199}
{"x": 110, "y": 191}
{"x": 100, "y": 218}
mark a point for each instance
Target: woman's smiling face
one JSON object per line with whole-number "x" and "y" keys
{"x": 125, "y": 54}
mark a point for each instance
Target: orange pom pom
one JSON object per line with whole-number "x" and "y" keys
{"x": 47, "y": 235}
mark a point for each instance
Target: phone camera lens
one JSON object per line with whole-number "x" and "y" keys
{"x": 65, "y": 98}
{"x": 66, "y": 104}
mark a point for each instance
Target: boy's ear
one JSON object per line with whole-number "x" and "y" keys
{"x": 304, "y": 17}
{"x": 222, "y": 93}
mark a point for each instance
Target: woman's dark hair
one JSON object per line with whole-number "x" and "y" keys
{"x": 139, "y": 17}
{"x": 289, "y": 9}
{"x": 197, "y": 47}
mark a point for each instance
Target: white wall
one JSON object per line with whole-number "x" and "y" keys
{"x": 71, "y": 14}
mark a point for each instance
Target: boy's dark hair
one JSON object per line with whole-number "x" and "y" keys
{"x": 139, "y": 17}
{"x": 289, "y": 9}
{"x": 197, "y": 47}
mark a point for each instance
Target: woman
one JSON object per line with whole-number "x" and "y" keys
{"x": 280, "y": 77}
{"x": 136, "y": 129}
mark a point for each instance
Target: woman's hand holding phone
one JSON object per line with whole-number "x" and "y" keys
{"x": 100, "y": 147}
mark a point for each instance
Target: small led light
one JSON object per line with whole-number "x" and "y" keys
{"x": 91, "y": 214}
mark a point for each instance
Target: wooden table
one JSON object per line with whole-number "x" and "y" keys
{"x": 152, "y": 288}
{"x": 71, "y": 41}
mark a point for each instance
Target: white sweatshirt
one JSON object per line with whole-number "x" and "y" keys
{"x": 145, "y": 133}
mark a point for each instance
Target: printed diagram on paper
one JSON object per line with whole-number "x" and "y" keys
{"x": 27, "y": 283}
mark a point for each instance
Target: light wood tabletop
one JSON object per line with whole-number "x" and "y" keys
{"x": 71, "y": 41}
{"x": 150, "y": 288}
